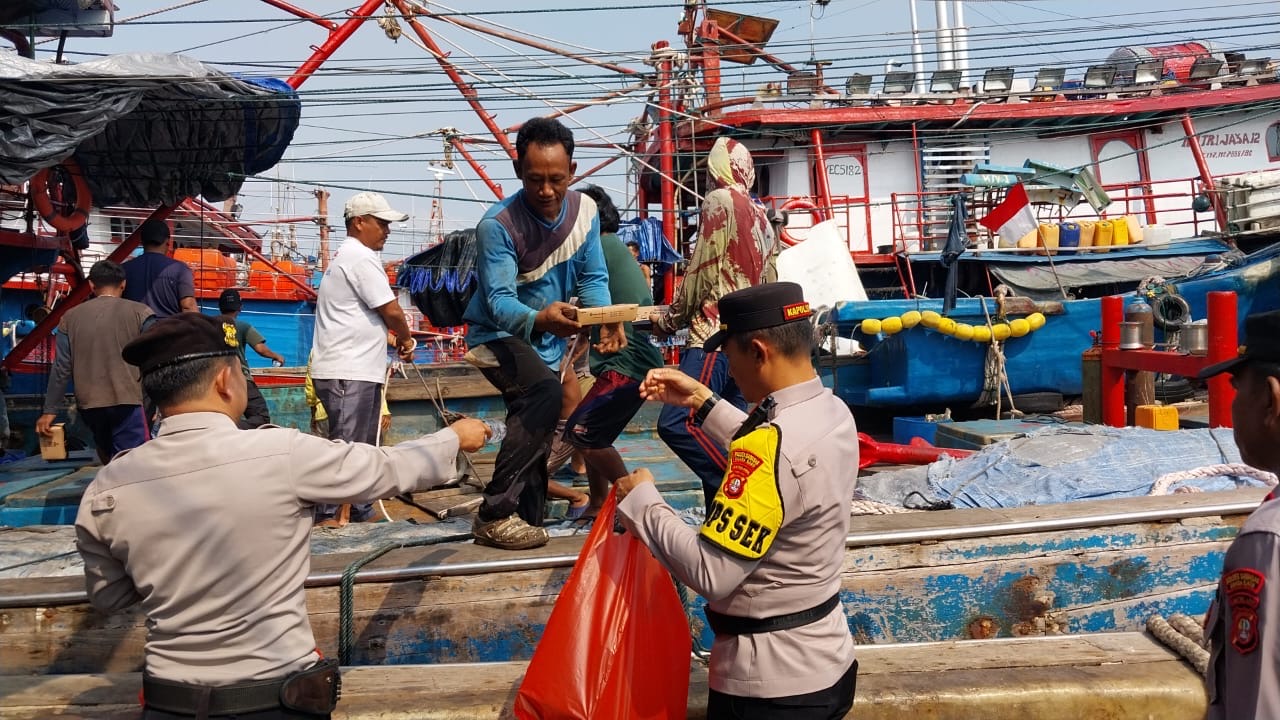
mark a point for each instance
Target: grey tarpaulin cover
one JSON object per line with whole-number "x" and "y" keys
{"x": 146, "y": 128}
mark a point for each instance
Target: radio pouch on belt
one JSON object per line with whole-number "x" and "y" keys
{"x": 315, "y": 690}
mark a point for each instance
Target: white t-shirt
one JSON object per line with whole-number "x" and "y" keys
{"x": 351, "y": 338}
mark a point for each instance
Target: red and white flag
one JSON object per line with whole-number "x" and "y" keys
{"x": 1012, "y": 219}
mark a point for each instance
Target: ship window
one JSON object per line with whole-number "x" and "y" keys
{"x": 1273, "y": 142}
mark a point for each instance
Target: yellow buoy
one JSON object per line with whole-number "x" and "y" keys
{"x": 929, "y": 319}
{"x": 1001, "y": 331}
{"x": 871, "y": 326}
{"x": 891, "y": 325}
{"x": 911, "y": 318}
{"x": 947, "y": 326}
{"x": 1019, "y": 327}
{"x": 1036, "y": 320}
{"x": 964, "y": 331}
{"x": 981, "y": 333}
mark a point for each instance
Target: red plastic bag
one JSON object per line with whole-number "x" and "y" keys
{"x": 617, "y": 643}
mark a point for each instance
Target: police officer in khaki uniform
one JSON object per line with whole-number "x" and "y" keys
{"x": 1243, "y": 678}
{"x": 208, "y": 528}
{"x": 769, "y": 555}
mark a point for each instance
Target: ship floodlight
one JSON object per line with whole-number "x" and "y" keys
{"x": 899, "y": 82}
{"x": 997, "y": 81}
{"x": 1148, "y": 72}
{"x": 1254, "y": 66}
{"x": 944, "y": 81}
{"x": 1099, "y": 77}
{"x": 1205, "y": 67}
{"x": 857, "y": 84}
{"x": 1049, "y": 78}
{"x": 802, "y": 82}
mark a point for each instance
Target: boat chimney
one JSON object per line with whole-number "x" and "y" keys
{"x": 960, "y": 41}
{"x": 945, "y": 58}
{"x": 917, "y": 52}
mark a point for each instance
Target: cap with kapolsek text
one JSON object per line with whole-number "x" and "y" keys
{"x": 181, "y": 338}
{"x": 758, "y": 307}
{"x": 1261, "y": 344}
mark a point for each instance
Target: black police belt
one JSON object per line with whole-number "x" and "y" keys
{"x": 315, "y": 690}
{"x": 723, "y": 624}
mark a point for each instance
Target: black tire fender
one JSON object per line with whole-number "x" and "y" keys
{"x": 1169, "y": 311}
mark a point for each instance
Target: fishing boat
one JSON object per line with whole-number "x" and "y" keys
{"x": 944, "y": 576}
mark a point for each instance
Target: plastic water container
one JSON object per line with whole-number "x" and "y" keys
{"x": 1087, "y": 228}
{"x": 1120, "y": 232}
{"x": 1134, "y": 228}
{"x": 906, "y": 428}
{"x": 1157, "y": 235}
{"x": 1068, "y": 237}
{"x": 1103, "y": 233}
{"x": 1049, "y": 238}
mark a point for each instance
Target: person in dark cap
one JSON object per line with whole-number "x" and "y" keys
{"x": 108, "y": 393}
{"x": 207, "y": 528}
{"x": 256, "y": 413}
{"x": 769, "y": 554}
{"x": 1243, "y": 677}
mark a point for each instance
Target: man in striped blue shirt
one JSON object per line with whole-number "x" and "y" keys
{"x": 538, "y": 248}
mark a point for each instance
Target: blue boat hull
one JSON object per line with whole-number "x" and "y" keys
{"x": 919, "y": 366}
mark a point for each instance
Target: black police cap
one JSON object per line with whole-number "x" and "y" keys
{"x": 1262, "y": 344}
{"x": 758, "y": 307}
{"x": 181, "y": 338}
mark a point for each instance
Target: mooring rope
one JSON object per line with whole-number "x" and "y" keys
{"x": 1164, "y": 482}
{"x": 346, "y": 590}
{"x": 1169, "y": 633}
{"x": 874, "y": 507}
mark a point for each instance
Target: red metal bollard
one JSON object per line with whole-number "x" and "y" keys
{"x": 1112, "y": 376}
{"x": 1223, "y": 345}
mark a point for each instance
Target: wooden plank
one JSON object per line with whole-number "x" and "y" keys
{"x": 66, "y": 490}
{"x": 15, "y": 483}
{"x": 1117, "y": 675}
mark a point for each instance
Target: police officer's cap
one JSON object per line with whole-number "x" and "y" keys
{"x": 181, "y": 338}
{"x": 758, "y": 307}
{"x": 1262, "y": 344}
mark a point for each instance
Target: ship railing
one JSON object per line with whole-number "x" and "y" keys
{"x": 920, "y": 220}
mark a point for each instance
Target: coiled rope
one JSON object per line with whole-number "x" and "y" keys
{"x": 1164, "y": 482}
{"x": 1182, "y": 635}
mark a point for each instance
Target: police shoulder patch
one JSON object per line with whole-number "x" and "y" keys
{"x": 1243, "y": 591}
{"x": 747, "y": 511}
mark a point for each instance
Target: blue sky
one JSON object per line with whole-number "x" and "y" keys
{"x": 363, "y": 110}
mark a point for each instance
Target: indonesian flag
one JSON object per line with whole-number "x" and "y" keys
{"x": 1012, "y": 219}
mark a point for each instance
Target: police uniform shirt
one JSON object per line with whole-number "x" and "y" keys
{"x": 208, "y": 527}
{"x": 764, "y": 565}
{"x": 1243, "y": 678}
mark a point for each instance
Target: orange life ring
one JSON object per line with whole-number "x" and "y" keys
{"x": 61, "y": 220}
{"x": 799, "y": 204}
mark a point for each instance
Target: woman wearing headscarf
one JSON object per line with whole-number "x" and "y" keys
{"x": 735, "y": 246}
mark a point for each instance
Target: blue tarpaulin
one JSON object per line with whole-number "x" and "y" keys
{"x": 1058, "y": 465}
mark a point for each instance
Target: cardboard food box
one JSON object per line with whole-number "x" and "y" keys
{"x": 54, "y": 446}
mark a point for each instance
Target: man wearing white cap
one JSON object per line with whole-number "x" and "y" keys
{"x": 354, "y": 310}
